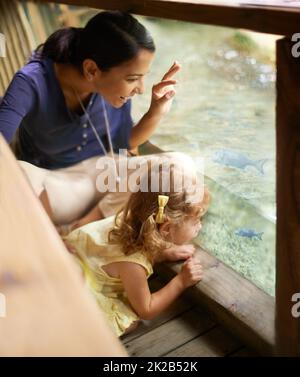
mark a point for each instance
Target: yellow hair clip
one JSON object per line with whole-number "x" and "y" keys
{"x": 162, "y": 201}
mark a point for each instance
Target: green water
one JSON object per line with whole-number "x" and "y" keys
{"x": 225, "y": 101}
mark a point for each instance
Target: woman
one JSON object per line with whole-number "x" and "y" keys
{"x": 60, "y": 103}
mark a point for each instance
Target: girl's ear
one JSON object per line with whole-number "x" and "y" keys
{"x": 164, "y": 229}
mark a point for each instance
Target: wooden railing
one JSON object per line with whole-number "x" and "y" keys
{"x": 237, "y": 14}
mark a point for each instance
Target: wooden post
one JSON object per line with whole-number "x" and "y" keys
{"x": 288, "y": 199}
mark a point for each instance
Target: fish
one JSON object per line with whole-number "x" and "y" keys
{"x": 238, "y": 160}
{"x": 250, "y": 233}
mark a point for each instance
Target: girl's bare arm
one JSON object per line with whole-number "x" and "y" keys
{"x": 146, "y": 304}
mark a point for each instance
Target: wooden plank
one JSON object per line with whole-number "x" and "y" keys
{"x": 13, "y": 28}
{"x": 179, "y": 306}
{"x": 15, "y": 55}
{"x": 149, "y": 148}
{"x": 264, "y": 19}
{"x": 288, "y": 199}
{"x": 214, "y": 343}
{"x": 6, "y": 69}
{"x": 48, "y": 310}
{"x": 20, "y": 33}
{"x": 36, "y": 22}
{"x": 170, "y": 335}
{"x": 28, "y": 33}
{"x": 234, "y": 301}
{"x": 10, "y": 38}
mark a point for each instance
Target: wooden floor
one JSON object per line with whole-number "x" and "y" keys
{"x": 183, "y": 330}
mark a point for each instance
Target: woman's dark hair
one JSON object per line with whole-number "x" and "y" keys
{"x": 109, "y": 38}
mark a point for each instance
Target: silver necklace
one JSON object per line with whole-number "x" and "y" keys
{"x": 107, "y": 127}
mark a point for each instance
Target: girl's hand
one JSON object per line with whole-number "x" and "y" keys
{"x": 163, "y": 92}
{"x": 191, "y": 272}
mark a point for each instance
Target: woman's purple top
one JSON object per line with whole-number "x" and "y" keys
{"x": 50, "y": 135}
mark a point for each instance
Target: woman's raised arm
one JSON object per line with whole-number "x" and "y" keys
{"x": 162, "y": 94}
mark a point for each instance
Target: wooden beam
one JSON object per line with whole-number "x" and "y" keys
{"x": 179, "y": 330}
{"x": 236, "y": 303}
{"x": 264, "y": 19}
{"x": 49, "y": 312}
{"x": 288, "y": 198}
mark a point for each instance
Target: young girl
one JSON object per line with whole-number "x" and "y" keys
{"x": 117, "y": 254}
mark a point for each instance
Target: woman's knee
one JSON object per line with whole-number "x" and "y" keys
{"x": 35, "y": 175}
{"x": 46, "y": 203}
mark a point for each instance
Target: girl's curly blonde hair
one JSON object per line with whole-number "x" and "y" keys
{"x": 135, "y": 226}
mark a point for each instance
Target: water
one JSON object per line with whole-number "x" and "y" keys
{"x": 224, "y": 111}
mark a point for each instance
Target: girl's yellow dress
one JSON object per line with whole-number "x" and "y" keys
{"x": 93, "y": 252}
